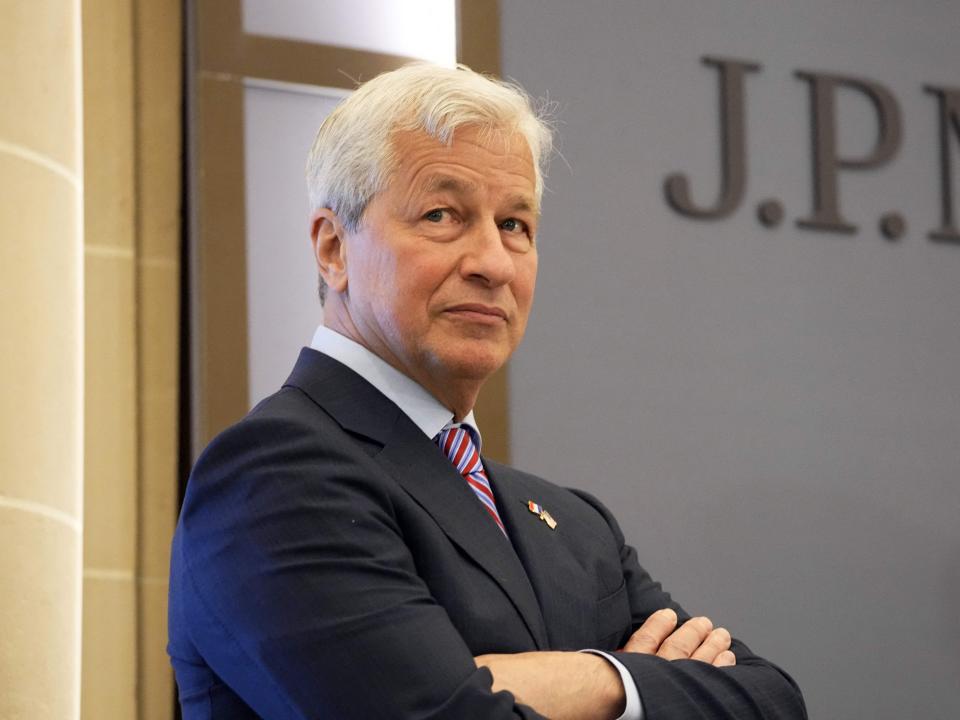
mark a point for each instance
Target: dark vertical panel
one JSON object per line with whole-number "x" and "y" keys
{"x": 221, "y": 256}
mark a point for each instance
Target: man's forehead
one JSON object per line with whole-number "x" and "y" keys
{"x": 468, "y": 144}
{"x": 476, "y": 160}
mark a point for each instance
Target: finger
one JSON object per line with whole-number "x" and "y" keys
{"x": 725, "y": 659}
{"x": 682, "y": 643}
{"x": 649, "y": 636}
{"x": 716, "y": 642}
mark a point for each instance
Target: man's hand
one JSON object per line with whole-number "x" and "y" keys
{"x": 579, "y": 685}
{"x": 559, "y": 685}
{"x": 696, "y": 639}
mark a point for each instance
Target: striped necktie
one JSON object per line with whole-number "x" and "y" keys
{"x": 457, "y": 444}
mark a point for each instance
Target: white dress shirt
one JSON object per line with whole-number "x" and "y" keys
{"x": 430, "y": 416}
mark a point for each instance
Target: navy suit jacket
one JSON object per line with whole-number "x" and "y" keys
{"x": 330, "y": 562}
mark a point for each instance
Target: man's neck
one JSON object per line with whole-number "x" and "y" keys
{"x": 459, "y": 395}
{"x": 425, "y": 410}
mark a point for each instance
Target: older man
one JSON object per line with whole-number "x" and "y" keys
{"x": 345, "y": 551}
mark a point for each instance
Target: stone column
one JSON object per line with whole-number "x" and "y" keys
{"x": 110, "y": 617}
{"x": 41, "y": 363}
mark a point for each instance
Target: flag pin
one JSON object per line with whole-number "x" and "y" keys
{"x": 538, "y": 510}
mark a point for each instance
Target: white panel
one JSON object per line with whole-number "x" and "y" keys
{"x": 423, "y": 29}
{"x": 283, "y": 308}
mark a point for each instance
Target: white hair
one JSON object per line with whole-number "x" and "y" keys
{"x": 353, "y": 155}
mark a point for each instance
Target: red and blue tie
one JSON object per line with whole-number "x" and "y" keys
{"x": 457, "y": 444}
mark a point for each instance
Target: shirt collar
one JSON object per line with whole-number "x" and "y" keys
{"x": 420, "y": 406}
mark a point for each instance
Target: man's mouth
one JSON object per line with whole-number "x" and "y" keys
{"x": 478, "y": 312}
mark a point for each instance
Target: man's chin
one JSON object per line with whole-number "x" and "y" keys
{"x": 477, "y": 363}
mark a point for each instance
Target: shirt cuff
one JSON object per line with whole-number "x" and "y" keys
{"x": 634, "y": 708}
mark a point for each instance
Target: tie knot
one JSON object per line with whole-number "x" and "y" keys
{"x": 460, "y": 445}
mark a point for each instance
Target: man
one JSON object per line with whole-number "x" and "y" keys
{"x": 345, "y": 551}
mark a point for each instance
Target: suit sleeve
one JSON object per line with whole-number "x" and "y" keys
{"x": 297, "y": 589}
{"x": 754, "y": 689}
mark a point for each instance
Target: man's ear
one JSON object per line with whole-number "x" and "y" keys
{"x": 329, "y": 248}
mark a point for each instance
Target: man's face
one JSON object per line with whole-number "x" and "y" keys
{"x": 441, "y": 271}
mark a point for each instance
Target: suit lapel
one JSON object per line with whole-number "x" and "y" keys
{"x": 535, "y": 543}
{"x": 551, "y": 568}
{"x": 424, "y": 472}
{"x": 434, "y": 483}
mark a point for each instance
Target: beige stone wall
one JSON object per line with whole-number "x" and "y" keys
{"x": 110, "y": 411}
{"x": 158, "y": 41}
{"x": 41, "y": 323}
{"x": 89, "y": 291}
{"x": 132, "y": 101}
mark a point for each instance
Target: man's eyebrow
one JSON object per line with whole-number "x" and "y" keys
{"x": 448, "y": 183}
{"x": 521, "y": 203}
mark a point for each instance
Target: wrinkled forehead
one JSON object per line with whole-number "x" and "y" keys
{"x": 480, "y": 150}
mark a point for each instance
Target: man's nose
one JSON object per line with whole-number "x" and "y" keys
{"x": 486, "y": 258}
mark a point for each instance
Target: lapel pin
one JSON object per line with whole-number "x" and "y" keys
{"x": 538, "y": 510}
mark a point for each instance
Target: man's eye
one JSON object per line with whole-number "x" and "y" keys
{"x": 513, "y": 225}
{"x": 436, "y": 215}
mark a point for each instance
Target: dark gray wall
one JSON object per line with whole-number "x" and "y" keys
{"x": 773, "y": 414}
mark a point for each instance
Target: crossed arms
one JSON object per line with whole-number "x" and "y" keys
{"x": 582, "y": 686}
{"x": 308, "y": 581}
